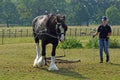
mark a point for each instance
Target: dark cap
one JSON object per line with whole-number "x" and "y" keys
{"x": 104, "y": 18}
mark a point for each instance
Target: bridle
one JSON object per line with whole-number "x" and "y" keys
{"x": 44, "y": 32}
{"x": 57, "y": 29}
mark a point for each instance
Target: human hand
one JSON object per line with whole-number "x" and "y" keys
{"x": 107, "y": 38}
{"x": 93, "y": 36}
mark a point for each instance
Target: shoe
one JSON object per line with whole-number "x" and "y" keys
{"x": 101, "y": 61}
{"x": 107, "y": 58}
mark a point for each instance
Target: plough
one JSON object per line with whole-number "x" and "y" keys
{"x": 63, "y": 61}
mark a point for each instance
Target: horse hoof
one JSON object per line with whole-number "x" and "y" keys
{"x": 53, "y": 68}
{"x": 41, "y": 62}
{"x": 35, "y": 65}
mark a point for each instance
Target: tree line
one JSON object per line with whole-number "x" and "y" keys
{"x": 78, "y": 12}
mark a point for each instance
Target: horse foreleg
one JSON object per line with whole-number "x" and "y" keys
{"x": 37, "y": 55}
{"x": 52, "y": 64}
{"x": 41, "y": 60}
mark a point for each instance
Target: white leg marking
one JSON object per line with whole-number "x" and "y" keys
{"x": 41, "y": 61}
{"x": 52, "y": 64}
{"x": 37, "y": 56}
{"x": 62, "y": 38}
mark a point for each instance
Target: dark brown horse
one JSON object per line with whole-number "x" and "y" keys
{"x": 49, "y": 29}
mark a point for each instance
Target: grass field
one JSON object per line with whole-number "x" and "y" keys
{"x": 17, "y": 56}
{"x": 16, "y": 62}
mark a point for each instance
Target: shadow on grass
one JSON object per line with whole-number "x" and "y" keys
{"x": 69, "y": 73}
{"x": 115, "y": 64}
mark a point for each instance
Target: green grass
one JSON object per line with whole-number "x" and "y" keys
{"x": 17, "y": 56}
{"x": 16, "y": 62}
{"x": 17, "y": 40}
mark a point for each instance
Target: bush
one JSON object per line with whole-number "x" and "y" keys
{"x": 70, "y": 43}
{"x": 114, "y": 43}
{"x": 92, "y": 43}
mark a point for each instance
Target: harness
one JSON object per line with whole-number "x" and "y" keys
{"x": 44, "y": 32}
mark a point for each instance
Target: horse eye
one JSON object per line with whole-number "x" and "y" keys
{"x": 64, "y": 17}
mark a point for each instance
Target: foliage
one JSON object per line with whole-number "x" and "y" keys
{"x": 8, "y": 12}
{"x": 70, "y": 43}
{"x": 92, "y": 43}
{"x": 113, "y": 14}
{"x": 114, "y": 43}
{"x": 78, "y": 12}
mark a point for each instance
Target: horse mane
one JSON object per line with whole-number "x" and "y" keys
{"x": 51, "y": 20}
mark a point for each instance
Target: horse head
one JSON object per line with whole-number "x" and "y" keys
{"x": 56, "y": 24}
{"x": 61, "y": 26}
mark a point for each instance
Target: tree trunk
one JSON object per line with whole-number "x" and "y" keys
{"x": 7, "y": 23}
{"x": 87, "y": 23}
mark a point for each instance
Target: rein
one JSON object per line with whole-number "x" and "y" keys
{"x": 41, "y": 33}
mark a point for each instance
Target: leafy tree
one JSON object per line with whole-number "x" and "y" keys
{"x": 101, "y": 6}
{"x": 113, "y": 14}
{"x": 24, "y": 9}
{"x": 8, "y": 12}
{"x": 77, "y": 12}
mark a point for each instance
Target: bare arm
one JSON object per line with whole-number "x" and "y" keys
{"x": 95, "y": 34}
{"x": 109, "y": 34}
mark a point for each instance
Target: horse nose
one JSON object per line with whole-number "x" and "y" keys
{"x": 62, "y": 39}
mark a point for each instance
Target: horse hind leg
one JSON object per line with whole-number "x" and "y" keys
{"x": 37, "y": 51}
{"x": 42, "y": 61}
{"x": 37, "y": 55}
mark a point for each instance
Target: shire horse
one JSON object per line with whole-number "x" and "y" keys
{"x": 50, "y": 28}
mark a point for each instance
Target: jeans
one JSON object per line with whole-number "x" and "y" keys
{"x": 103, "y": 45}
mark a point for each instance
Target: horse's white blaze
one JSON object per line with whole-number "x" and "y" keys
{"x": 37, "y": 55}
{"x": 62, "y": 38}
{"x": 52, "y": 64}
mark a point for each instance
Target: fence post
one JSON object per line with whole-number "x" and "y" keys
{"x": 117, "y": 31}
{"x": 9, "y": 33}
{"x": 70, "y": 31}
{"x": 27, "y": 33}
{"x": 80, "y": 31}
{"x": 75, "y": 31}
{"x": 15, "y": 33}
{"x": 2, "y": 36}
{"x": 86, "y": 32}
{"x": 21, "y": 33}
{"x": 113, "y": 32}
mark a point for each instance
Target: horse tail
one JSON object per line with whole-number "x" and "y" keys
{"x": 36, "y": 38}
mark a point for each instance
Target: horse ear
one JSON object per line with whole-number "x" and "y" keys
{"x": 65, "y": 27}
{"x": 64, "y": 16}
{"x": 50, "y": 15}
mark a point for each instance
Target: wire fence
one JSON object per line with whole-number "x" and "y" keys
{"x": 17, "y": 33}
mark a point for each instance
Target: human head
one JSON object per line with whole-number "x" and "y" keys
{"x": 104, "y": 20}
